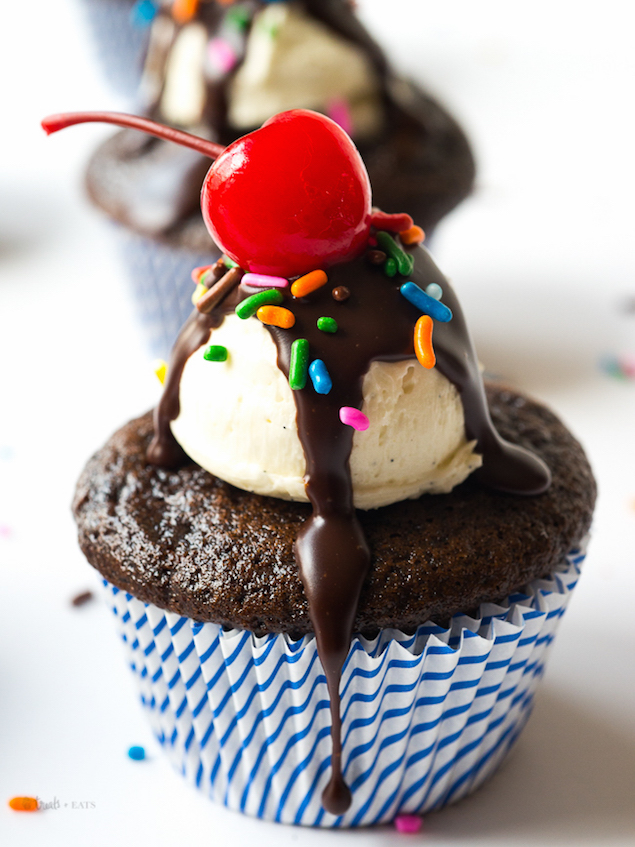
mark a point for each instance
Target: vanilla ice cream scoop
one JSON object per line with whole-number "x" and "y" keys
{"x": 238, "y": 421}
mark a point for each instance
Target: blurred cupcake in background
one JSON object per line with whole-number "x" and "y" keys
{"x": 120, "y": 31}
{"x": 219, "y": 70}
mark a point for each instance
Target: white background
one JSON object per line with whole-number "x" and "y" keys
{"x": 542, "y": 258}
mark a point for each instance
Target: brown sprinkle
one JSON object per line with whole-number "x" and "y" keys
{"x": 341, "y": 293}
{"x": 219, "y": 291}
{"x": 82, "y": 599}
{"x": 376, "y": 257}
{"x": 215, "y": 273}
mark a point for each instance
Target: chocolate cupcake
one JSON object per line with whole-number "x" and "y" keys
{"x": 220, "y": 70}
{"x": 340, "y": 613}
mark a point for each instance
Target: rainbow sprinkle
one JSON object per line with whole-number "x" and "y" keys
{"x": 325, "y": 324}
{"x": 215, "y": 353}
{"x": 426, "y": 304}
{"x": 309, "y": 283}
{"x": 136, "y": 753}
{"x": 299, "y": 364}
{"x": 320, "y": 377}
{"x": 405, "y": 262}
{"x": 434, "y": 290}
{"x": 355, "y": 418}
{"x": 276, "y": 316}
{"x": 160, "y": 368}
{"x": 264, "y": 281}
{"x": 249, "y": 307}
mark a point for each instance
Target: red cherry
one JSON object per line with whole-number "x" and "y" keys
{"x": 286, "y": 199}
{"x": 290, "y": 197}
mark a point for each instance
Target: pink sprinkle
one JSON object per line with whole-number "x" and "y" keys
{"x": 263, "y": 281}
{"x": 339, "y": 111}
{"x": 355, "y": 418}
{"x": 408, "y": 823}
{"x": 5, "y": 532}
{"x": 221, "y": 54}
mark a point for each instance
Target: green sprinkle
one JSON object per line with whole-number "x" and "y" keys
{"x": 229, "y": 263}
{"x": 299, "y": 365}
{"x": 238, "y": 17}
{"x": 249, "y": 307}
{"x": 390, "y": 267}
{"x": 405, "y": 262}
{"x": 327, "y": 324}
{"x": 215, "y": 353}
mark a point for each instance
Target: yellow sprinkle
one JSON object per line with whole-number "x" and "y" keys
{"x": 198, "y": 293}
{"x": 308, "y": 283}
{"x": 276, "y": 316}
{"x": 423, "y": 342}
{"x": 160, "y": 368}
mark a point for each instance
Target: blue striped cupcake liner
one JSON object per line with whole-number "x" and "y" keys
{"x": 162, "y": 287}
{"x": 427, "y": 718}
{"x": 120, "y": 45}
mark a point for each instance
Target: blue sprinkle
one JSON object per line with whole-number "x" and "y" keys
{"x": 137, "y": 753}
{"x": 143, "y": 13}
{"x": 320, "y": 377}
{"x": 434, "y": 290}
{"x": 426, "y": 304}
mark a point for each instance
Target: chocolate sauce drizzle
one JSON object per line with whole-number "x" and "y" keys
{"x": 375, "y": 323}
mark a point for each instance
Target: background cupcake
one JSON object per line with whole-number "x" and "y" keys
{"x": 220, "y": 70}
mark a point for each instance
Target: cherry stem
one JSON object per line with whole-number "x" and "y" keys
{"x": 53, "y": 123}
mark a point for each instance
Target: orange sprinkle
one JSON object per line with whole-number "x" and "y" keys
{"x": 414, "y": 235}
{"x": 423, "y": 342}
{"x": 308, "y": 283}
{"x": 276, "y": 316}
{"x": 24, "y": 804}
{"x": 184, "y": 10}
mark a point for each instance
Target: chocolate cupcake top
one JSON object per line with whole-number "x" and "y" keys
{"x": 191, "y": 543}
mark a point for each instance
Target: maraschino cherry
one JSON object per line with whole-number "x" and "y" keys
{"x": 286, "y": 199}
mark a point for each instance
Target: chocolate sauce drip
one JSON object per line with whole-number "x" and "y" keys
{"x": 375, "y": 323}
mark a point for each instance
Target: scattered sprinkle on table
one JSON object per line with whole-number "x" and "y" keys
{"x": 136, "y": 753}
{"x": 82, "y": 599}
{"x": 24, "y": 804}
{"x": 408, "y": 823}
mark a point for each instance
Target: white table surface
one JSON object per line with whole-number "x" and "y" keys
{"x": 542, "y": 258}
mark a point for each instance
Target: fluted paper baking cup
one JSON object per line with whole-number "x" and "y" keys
{"x": 162, "y": 285}
{"x": 119, "y": 43}
{"x": 426, "y": 718}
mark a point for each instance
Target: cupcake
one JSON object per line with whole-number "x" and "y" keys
{"x": 220, "y": 69}
{"x": 120, "y": 30}
{"x": 339, "y": 611}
